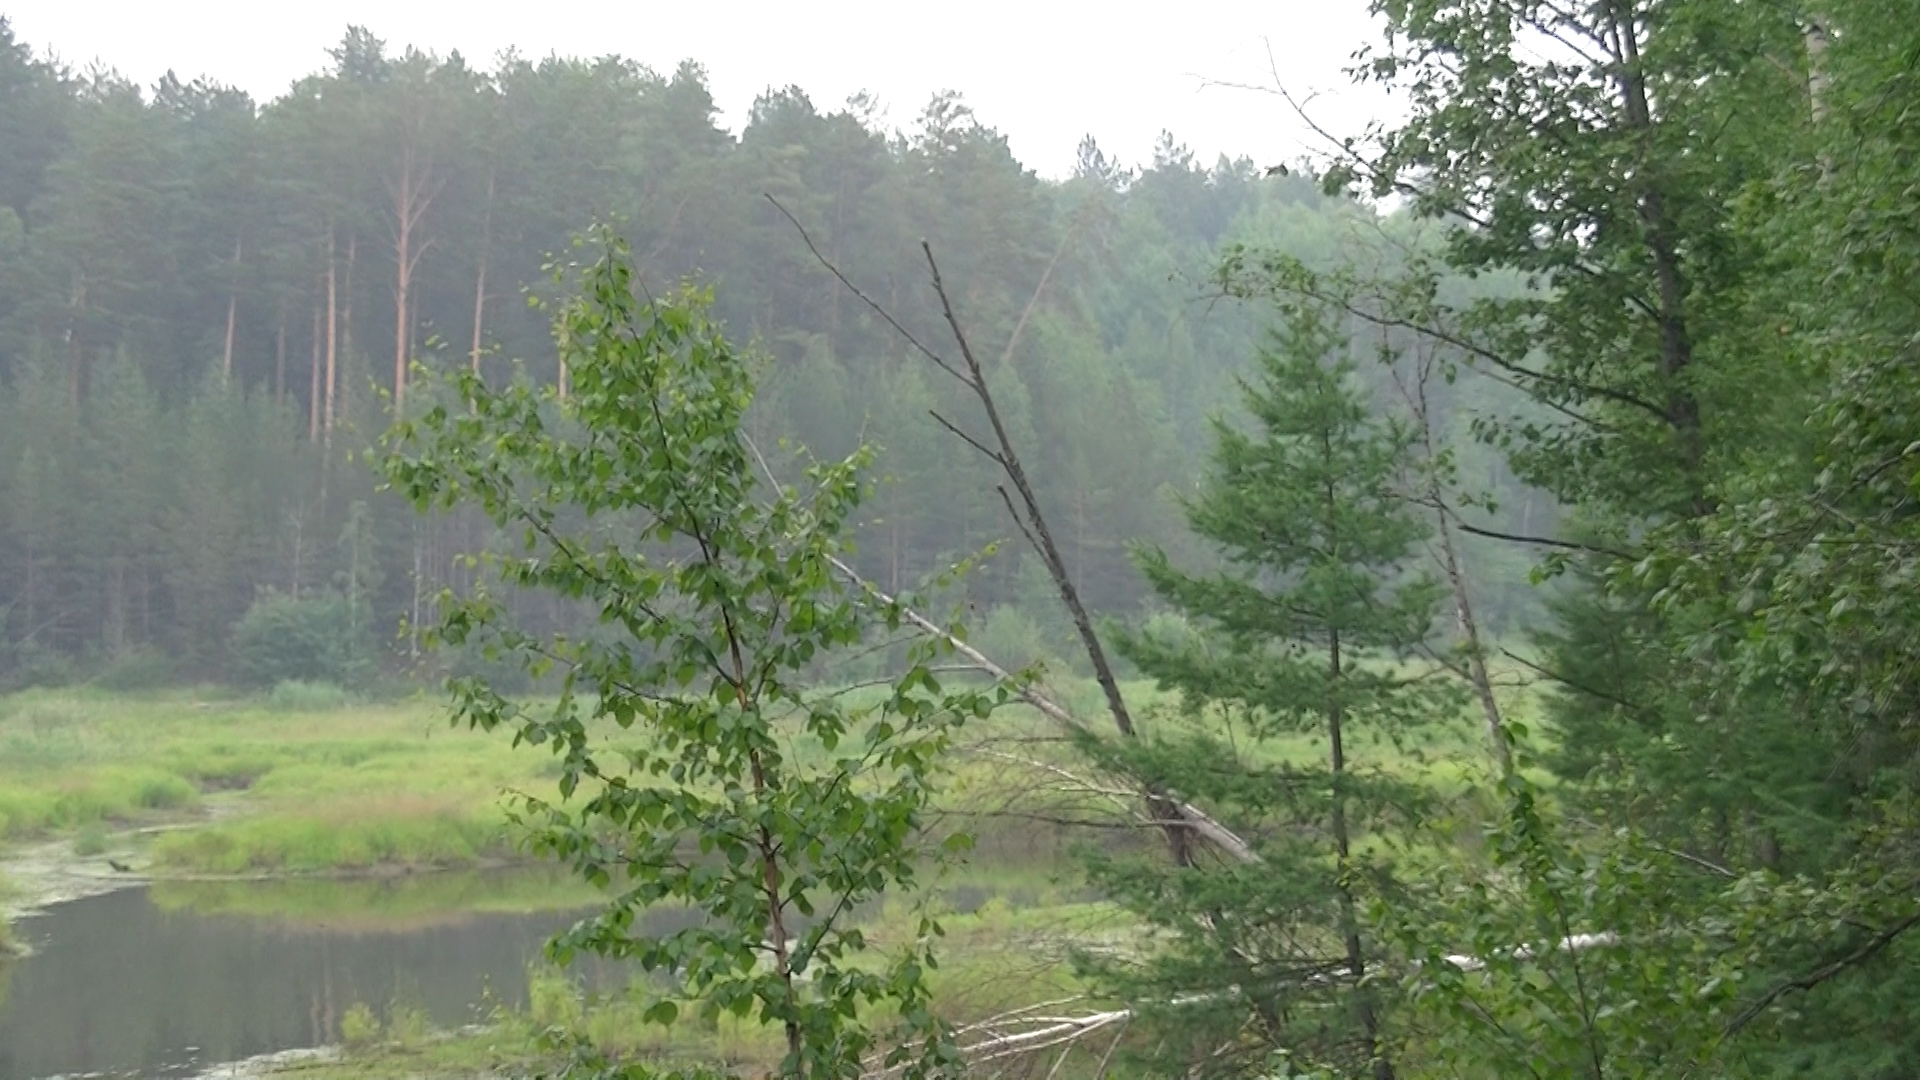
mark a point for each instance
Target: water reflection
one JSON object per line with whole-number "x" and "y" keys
{"x": 138, "y": 983}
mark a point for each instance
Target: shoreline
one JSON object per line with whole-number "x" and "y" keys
{"x": 46, "y": 873}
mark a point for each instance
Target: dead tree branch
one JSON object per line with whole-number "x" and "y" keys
{"x": 1031, "y": 519}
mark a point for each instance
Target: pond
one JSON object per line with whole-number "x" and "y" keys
{"x": 162, "y": 982}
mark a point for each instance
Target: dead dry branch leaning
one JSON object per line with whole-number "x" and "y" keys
{"x": 1179, "y": 821}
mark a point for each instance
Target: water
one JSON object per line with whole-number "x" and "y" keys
{"x": 126, "y": 985}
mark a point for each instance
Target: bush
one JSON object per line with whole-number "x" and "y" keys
{"x": 25, "y": 666}
{"x": 296, "y": 695}
{"x": 163, "y": 792}
{"x": 552, "y": 999}
{"x": 281, "y": 639}
{"x": 136, "y": 669}
{"x": 359, "y": 1028}
{"x": 91, "y": 841}
{"x": 1012, "y": 638}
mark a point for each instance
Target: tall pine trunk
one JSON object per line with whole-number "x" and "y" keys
{"x": 480, "y": 278}
{"x": 233, "y": 309}
{"x": 412, "y": 193}
{"x": 313, "y": 391}
{"x": 1349, "y": 915}
{"x": 346, "y": 329}
{"x": 280, "y": 357}
{"x": 333, "y": 344}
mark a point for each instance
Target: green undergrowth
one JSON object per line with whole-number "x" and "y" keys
{"x": 343, "y": 836}
{"x": 388, "y": 903}
{"x": 307, "y": 781}
{"x": 1000, "y": 955}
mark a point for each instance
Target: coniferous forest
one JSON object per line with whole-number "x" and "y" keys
{"x": 210, "y": 306}
{"x": 1569, "y": 426}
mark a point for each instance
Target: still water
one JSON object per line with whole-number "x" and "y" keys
{"x": 139, "y": 985}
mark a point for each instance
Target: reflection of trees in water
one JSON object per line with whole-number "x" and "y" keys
{"x": 378, "y": 905}
{"x": 126, "y": 985}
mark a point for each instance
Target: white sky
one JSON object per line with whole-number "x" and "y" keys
{"x": 1044, "y": 73}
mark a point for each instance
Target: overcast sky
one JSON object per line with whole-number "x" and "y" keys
{"x": 1043, "y": 73}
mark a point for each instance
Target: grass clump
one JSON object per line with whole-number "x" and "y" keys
{"x": 91, "y": 841}
{"x": 300, "y": 695}
{"x": 359, "y": 836}
{"x": 359, "y": 1027}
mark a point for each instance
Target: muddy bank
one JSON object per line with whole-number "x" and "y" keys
{"x": 40, "y": 875}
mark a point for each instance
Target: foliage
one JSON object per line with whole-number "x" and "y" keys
{"x": 137, "y": 669}
{"x": 359, "y": 1027}
{"x": 1296, "y": 632}
{"x": 640, "y": 495}
{"x": 161, "y": 464}
{"x": 282, "y": 639}
{"x": 297, "y": 695}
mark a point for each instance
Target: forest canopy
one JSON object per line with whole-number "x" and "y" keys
{"x": 209, "y": 304}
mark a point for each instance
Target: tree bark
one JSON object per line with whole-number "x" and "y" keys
{"x": 233, "y": 309}
{"x": 346, "y": 330}
{"x": 333, "y": 345}
{"x": 412, "y": 193}
{"x": 480, "y": 279}
{"x": 313, "y": 391}
{"x": 1676, "y": 348}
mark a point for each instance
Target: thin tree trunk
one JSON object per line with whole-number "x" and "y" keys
{"x": 299, "y": 522}
{"x": 346, "y": 330}
{"x": 413, "y": 610}
{"x": 1819, "y": 79}
{"x": 76, "y": 344}
{"x": 1451, "y": 565}
{"x": 313, "y": 392}
{"x": 480, "y": 279}
{"x": 1676, "y": 348}
{"x": 412, "y": 195}
{"x": 233, "y": 308}
{"x": 280, "y": 358}
{"x": 1349, "y": 917}
{"x": 333, "y": 345}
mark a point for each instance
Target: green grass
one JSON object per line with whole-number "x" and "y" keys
{"x": 332, "y": 788}
{"x": 309, "y": 782}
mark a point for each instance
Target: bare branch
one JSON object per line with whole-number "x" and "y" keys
{"x": 864, "y": 298}
{"x": 1545, "y": 541}
{"x": 992, "y": 455}
{"x": 1873, "y": 947}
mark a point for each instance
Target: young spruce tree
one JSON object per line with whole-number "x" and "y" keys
{"x": 1295, "y": 637}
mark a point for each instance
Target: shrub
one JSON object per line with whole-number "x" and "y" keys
{"x": 91, "y": 841}
{"x": 297, "y": 695}
{"x": 408, "y": 1026}
{"x": 281, "y": 639}
{"x": 552, "y": 999}
{"x": 359, "y": 1028}
{"x": 1011, "y": 637}
{"x": 161, "y": 791}
{"x": 25, "y": 666}
{"x": 137, "y": 669}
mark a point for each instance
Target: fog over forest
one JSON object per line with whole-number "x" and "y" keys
{"x": 1443, "y": 605}
{"x": 207, "y": 293}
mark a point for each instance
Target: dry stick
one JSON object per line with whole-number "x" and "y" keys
{"x": 1807, "y": 982}
{"x": 1036, "y": 522}
{"x": 1033, "y": 526}
{"x": 1196, "y": 819}
{"x": 1497, "y": 739}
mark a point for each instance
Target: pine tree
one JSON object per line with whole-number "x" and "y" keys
{"x": 1296, "y": 636}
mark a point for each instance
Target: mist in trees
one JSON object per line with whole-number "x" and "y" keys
{"x": 1597, "y": 369}
{"x": 209, "y": 306}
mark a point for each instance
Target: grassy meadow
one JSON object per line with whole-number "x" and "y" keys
{"x": 218, "y": 795}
